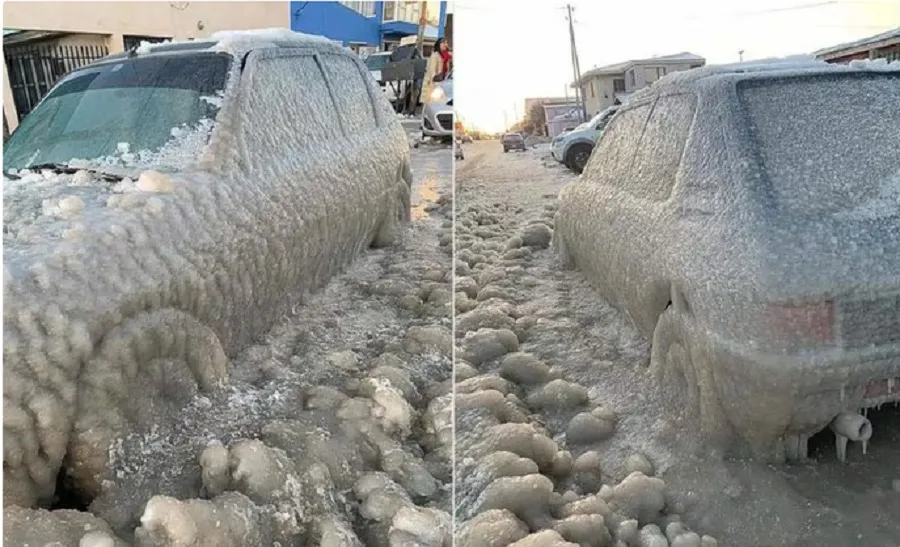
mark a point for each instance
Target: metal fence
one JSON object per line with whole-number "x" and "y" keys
{"x": 33, "y": 69}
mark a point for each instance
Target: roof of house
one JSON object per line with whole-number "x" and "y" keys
{"x": 618, "y": 68}
{"x": 848, "y": 47}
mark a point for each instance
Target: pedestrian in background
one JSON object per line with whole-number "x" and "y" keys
{"x": 439, "y": 64}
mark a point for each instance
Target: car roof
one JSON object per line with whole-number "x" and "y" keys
{"x": 712, "y": 75}
{"x": 235, "y": 42}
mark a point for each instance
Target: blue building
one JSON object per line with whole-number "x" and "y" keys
{"x": 367, "y": 27}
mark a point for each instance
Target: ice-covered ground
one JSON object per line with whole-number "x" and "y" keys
{"x": 555, "y": 416}
{"x": 334, "y": 429}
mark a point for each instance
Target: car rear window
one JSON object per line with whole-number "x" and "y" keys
{"x": 827, "y": 144}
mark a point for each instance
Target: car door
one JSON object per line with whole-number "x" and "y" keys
{"x": 290, "y": 152}
{"x": 601, "y": 189}
{"x": 370, "y": 157}
{"x": 646, "y": 238}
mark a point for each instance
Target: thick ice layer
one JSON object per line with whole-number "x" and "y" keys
{"x": 117, "y": 327}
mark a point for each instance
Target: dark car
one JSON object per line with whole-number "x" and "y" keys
{"x": 747, "y": 220}
{"x": 513, "y": 141}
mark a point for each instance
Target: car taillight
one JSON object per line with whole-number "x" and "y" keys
{"x": 798, "y": 323}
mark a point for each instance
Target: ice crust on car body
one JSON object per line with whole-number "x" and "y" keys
{"x": 231, "y": 245}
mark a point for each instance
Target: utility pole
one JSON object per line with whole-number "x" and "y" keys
{"x": 515, "y": 112}
{"x": 575, "y": 66}
{"x": 741, "y": 55}
{"x": 423, "y": 22}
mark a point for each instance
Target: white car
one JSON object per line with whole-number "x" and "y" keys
{"x": 437, "y": 112}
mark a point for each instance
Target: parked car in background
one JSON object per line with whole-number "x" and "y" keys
{"x": 573, "y": 148}
{"x": 746, "y": 220}
{"x": 513, "y": 141}
{"x": 437, "y": 111}
{"x": 162, "y": 208}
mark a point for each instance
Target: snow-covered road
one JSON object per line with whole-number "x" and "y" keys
{"x": 554, "y": 409}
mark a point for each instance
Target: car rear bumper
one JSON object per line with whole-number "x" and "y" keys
{"x": 800, "y": 394}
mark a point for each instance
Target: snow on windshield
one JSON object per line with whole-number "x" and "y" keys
{"x": 163, "y": 107}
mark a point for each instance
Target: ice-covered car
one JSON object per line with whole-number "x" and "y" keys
{"x": 437, "y": 111}
{"x": 747, "y": 220}
{"x": 573, "y": 148}
{"x": 513, "y": 141}
{"x": 162, "y": 209}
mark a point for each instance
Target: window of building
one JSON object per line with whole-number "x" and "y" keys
{"x": 662, "y": 144}
{"x": 363, "y": 8}
{"x": 660, "y": 72}
{"x": 631, "y": 78}
{"x": 592, "y": 89}
{"x": 408, "y": 12}
{"x": 619, "y": 85}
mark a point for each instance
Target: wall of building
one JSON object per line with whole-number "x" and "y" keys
{"x": 177, "y": 20}
{"x": 337, "y": 22}
{"x": 603, "y": 96}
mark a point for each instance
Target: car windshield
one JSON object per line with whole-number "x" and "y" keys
{"x": 827, "y": 144}
{"x": 146, "y": 110}
{"x": 377, "y": 62}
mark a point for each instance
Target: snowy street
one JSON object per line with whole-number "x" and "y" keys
{"x": 555, "y": 408}
{"x": 333, "y": 430}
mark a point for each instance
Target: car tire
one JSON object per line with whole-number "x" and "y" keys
{"x": 578, "y": 156}
{"x": 145, "y": 371}
{"x": 682, "y": 384}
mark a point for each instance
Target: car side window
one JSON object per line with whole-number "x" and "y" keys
{"x": 610, "y": 163}
{"x": 659, "y": 154}
{"x": 289, "y": 105}
{"x": 351, "y": 93}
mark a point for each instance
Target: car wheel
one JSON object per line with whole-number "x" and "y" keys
{"x": 684, "y": 385}
{"x": 145, "y": 371}
{"x": 578, "y": 156}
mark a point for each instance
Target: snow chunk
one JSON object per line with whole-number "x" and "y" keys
{"x": 228, "y": 40}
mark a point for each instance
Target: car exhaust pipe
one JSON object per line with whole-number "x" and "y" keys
{"x": 850, "y": 426}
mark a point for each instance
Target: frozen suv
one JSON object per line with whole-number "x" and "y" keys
{"x": 162, "y": 208}
{"x": 747, "y": 220}
{"x": 573, "y": 148}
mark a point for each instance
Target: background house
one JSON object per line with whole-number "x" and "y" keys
{"x": 535, "y": 115}
{"x": 604, "y": 86}
{"x": 880, "y": 46}
{"x": 561, "y": 116}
